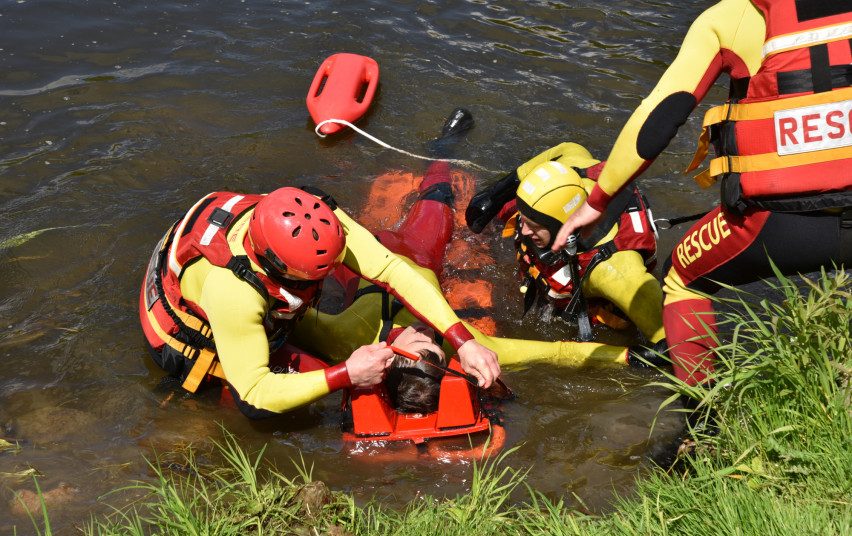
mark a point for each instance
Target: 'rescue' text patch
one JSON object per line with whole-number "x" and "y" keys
{"x": 813, "y": 128}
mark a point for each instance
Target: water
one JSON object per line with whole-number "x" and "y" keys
{"x": 116, "y": 116}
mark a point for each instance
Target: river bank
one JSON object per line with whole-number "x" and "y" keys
{"x": 767, "y": 453}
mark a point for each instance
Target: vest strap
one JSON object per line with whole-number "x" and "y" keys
{"x": 200, "y": 368}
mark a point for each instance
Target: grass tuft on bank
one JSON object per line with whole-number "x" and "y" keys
{"x": 768, "y": 453}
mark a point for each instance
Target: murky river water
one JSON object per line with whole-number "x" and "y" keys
{"x": 116, "y": 116}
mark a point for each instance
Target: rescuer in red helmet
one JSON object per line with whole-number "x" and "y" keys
{"x": 243, "y": 269}
{"x": 784, "y": 156}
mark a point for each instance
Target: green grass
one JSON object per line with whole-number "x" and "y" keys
{"x": 778, "y": 461}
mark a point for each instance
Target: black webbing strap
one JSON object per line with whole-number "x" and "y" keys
{"x": 802, "y": 81}
{"x": 605, "y": 251}
{"x": 390, "y": 307}
{"x": 820, "y": 68}
{"x": 240, "y": 266}
{"x": 185, "y": 334}
{"x": 610, "y": 217}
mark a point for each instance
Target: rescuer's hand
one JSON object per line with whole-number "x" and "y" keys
{"x": 367, "y": 364}
{"x": 480, "y": 362}
{"x": 418, "y": 338}
{"x": 584, "y": 216}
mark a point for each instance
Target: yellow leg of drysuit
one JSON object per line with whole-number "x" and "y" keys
{"x": 623, "y": 280}
{"x": 335, "y": 337}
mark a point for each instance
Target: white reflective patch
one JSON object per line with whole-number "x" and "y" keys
{"x": 173, "y": 264}
{"x": 558, "y": 295}
{"x": 528, "y": 187}
{"x": 807, "y": 38}
{"x": 210, "y": 232}
{"x": 562, "y": 276}
{"x": 542, "y": 173}
{"x": 572, "y": 204}
{"x": 558, "y": 166}
{"x": 813, "y": 128}
{"x": 293, "y": 301}
{"x": 637, "y": 222}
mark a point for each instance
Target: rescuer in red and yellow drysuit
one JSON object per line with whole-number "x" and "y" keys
{"x": 236, "y": 275}
{"x": 612, "y": 265}
{"x": 784, "y": 146}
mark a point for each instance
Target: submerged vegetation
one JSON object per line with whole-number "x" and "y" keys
{"x": 768, "y": 452}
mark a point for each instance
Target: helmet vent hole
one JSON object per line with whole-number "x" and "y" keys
{"x": 298, "y": 201}
{"x": 321, "y": 252}
{"x": 321, "y": 266}
{"x": 288, "y": 214}
{"x": 316, "y": 234}
{"x": 316, "y": 206}
{"x": 307, "y": 216}
{"x": 325, "y": 221}
{"x": 296, "y": 231}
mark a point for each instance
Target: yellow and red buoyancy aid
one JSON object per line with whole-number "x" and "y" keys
{"x": 788, "y": 144}
{"x": 177, "y": 328}
{"x": 635, "y": 232}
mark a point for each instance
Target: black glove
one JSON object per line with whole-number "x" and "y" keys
{"x": 649, "y": 356}
{"x": 487, "y": 203}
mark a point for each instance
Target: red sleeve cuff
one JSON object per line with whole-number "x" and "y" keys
{"x": 598, "y": 199}
{"x": 457, "y": 335}
{"x": 337, "y": 377}
{"x": 508, "y": 210}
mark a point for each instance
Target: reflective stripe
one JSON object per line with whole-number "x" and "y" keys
{"x": 210, "y": 232}
{"x": 807, "y": 38}
{"x": 769, "y": 161}
{"x": 637, "y": 222}
{"x": 173, "y": 264}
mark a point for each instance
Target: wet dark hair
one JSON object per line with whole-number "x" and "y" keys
{"x": 414, "y": 386}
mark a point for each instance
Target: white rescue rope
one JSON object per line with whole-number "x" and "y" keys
{"x": 457, "y": 162}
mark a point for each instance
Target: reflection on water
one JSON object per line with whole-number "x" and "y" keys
{"x": 116, "y": 116}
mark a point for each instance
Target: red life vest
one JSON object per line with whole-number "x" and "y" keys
{"x": 635, "y": 232}
{"x": 788, "y": 144}
{"x": 175, "y": 326}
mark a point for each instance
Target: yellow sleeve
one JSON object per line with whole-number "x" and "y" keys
{"x": 369, "y": 258}
{"x": 236, "y": 311}
{"x": 727, "y": 37}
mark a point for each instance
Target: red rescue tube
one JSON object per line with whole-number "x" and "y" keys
{"x": 343, "y": 88}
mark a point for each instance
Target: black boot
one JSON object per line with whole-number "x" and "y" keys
{"x": 452, "y": 131}
{"x": 656, "y": 355}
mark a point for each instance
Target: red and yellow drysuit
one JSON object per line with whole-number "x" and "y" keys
{"x": 619, "y": 256}
{"x": 784, "y": 154}
{"x": 199, "y": 269}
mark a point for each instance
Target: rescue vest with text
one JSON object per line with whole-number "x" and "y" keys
{"x": 788, "y": 144}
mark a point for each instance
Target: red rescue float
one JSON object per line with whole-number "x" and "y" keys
{"x": 343, "y": 88}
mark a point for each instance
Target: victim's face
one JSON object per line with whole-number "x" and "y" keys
{"x": 539, "y": 235}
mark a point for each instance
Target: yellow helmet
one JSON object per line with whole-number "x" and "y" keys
{"x": 550, "y": 193}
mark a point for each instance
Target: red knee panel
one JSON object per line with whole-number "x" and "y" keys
{"x": 689, "y": 324}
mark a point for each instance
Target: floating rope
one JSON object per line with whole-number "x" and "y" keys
{"x": 457, "y": 162}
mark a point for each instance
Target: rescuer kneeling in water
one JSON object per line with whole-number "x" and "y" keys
{"x": 611, "y": 264}
{"x": 235, "y": 276}
{"x": 784, "y": 157}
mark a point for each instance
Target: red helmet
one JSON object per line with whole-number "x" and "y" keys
{"x": 293, "y": 233}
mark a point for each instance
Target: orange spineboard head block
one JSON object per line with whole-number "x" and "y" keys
{"x": 373, "y": 415}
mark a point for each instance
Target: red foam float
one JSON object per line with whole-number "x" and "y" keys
{"x": 343, "y": 88}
